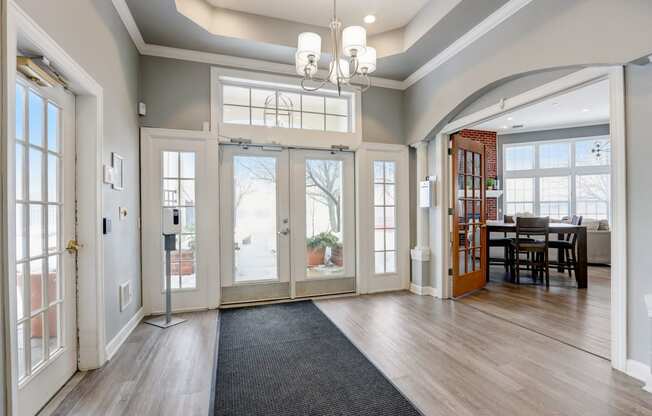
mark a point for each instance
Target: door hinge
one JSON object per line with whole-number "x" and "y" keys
{"x": 450, "y": 151}
{"x": 450, "y": 272}
{"x": 450, "y": 211}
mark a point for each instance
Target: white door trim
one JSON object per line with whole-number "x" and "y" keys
{"x": 207, "y": 293}
{"x": 367, "y": 280}
{"x": 91, "y": 323}
{"x": 615, "y": 75}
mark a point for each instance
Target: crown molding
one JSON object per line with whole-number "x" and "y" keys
{"x": 492, "y": 21}
{"x": 484, "y": 27}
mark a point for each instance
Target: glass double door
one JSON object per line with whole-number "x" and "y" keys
{"x": 287, "y": 222}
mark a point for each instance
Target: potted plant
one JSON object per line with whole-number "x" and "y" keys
{"x": 491, "y": 184}
{"x": 317, "y": 244}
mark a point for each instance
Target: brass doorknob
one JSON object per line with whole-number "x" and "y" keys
{"x": 73, "y": 246}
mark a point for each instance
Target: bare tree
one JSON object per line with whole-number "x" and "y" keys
{"x": 323, "y": 184}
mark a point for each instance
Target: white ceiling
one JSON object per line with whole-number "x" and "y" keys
{"x": 585, "y": 106}
{"x": 390, "y": 14}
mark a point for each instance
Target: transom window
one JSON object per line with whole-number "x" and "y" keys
{"x": 178, "y": 185}
{"x": 558, "y": 178}
{"x": 385, "y": 216}
{"x": 274, "y": 107}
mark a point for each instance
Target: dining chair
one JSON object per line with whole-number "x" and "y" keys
{"x": 568, "y": 244}
{"x": 504, "y": 242}
{"x": 536, "y": 249}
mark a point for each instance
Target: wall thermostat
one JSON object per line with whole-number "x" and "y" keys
{"x": 171, "y": 221}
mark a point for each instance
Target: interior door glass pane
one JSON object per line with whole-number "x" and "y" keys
{"x": 255, "y": 218}
{"x": 20, "y": 177}
{"x": 20, "y": 231}
{"x": 170, "y": 164}
{"x": 235, "y": 95}
{"x": 312, "y": 121}
{"x": 337, "y": 124}
{"x": 53, "y": 178}
{"x": 390, "y": 240}
{"x": 54, "y": 336}
{"x": 379, "y": 194}
{"x": 390, "y": 262}
{"x": 390, "y": 195}
{"x": 187, "y": 192}
{"x": 20, "y": 335}
{"x": 312, "y": 103}
{"x": 35, "y": 175}
{"x": 235, "y": 115}
{"x": 36, "y": 339}
{"x": 35, "y": 230}
{"x": 379, "y": 171}
{"x": 187, "y": 220}
{"x": 53, "y": 228}
{"x": 187, "y": 161}
{"x": 20, "y": 290}
{"x": 54, "y": 282}
{"x": 339, "y": 106}
{"x": 36, "y": 113}
{"x": 379, "y": 262}
{"x": 324, "y": 233}
{"x": 379, "y": 240}
{"x": 379, "y": 217}
{"x": 187, "y": 274}
{"x": 390, "y": 172}
{"x": 390, "y": 213}
{"x": 53, "y": 127}
{"x": 20, "y": 112}
{"x": 170, "y": 192}
{"x": 36, "y": 284}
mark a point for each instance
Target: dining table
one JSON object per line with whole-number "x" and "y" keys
{"x": 561, "y": 229}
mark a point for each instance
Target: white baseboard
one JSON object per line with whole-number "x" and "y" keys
{"x": 182, "y": 310}
{"x": 641, "y": 372}
{"x": 425, "y": 290}
{"x": 114, "y": 345}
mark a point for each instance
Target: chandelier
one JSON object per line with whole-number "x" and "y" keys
{"x": 601, "y": 149}
{"x": 352, "y": 59}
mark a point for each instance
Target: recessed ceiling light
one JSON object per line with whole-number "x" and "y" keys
{"x": 369, "y": 19}
{"x": 585, "y": 110}
{"x": 510, "y": 118}
{"x": 504, "y": 127}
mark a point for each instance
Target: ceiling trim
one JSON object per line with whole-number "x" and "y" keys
{"x": 491, "y": 22}
{"x": 481, "y": 29}
{"x": 555, "y": 127}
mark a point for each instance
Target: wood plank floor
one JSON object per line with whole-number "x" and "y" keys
{"x": 577, "y": 317}
{"x": 448, "y": 358}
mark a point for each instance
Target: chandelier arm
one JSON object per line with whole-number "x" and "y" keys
{"x": 310, "y": 89}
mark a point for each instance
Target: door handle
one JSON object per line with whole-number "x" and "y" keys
{"x": 284, "y": 232}
{"x": 73, "y": 246}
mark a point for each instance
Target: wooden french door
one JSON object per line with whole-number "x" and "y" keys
{"x": 469, "y": 232}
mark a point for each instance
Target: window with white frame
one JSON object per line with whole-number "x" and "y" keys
{"x": 285, "y": 108}
{"x": 178, "y": 185}
{"x": 385, "y": 216}
{"x": 558, "y": 178}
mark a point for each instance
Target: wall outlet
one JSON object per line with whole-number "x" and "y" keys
{"x": 126, "y": 294}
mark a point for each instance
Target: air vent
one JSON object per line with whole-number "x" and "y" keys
{"x": 518, "y": 126}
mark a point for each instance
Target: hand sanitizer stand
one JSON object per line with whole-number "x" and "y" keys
{"x": 171, "y": 226}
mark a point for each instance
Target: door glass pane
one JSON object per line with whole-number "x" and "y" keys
{"x": 53, "y": 178}
{"x": 36, "y": 339}
{"x": 20, "y": 335}
{"x": 36, "y": 119}
{"x": 170, "y": 164}
{"x": 35, "y": 230}
{"x": 20, "y": 177}
{"x": 54, "y": 333}
{"x": 384, "y": 202}
{"x": 54, "y": 283}
{"x": 53, "y": 127}
{"x": 20, "y": 290}
{"x": 53, "y": 228}
{"x": 20, "y": 112}
{"x": 35, "y": 175}
{"x": 255, "y": 219}
{"x": 36, "y": 285}
{"x": 20, "y": 231}
{"x": 324, "y": 237}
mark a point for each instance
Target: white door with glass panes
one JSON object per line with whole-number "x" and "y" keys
{"x": 384, "y": 184}
{"x": 46, "y": 332}
{"x": 176, "y": 174}
{"x": 287, "y": 223}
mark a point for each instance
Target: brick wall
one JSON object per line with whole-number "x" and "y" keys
{"x": 488, "y": 138}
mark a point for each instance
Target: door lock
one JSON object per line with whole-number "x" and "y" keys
{"x": 284, "y": 232}
{"x": 73, "y": 246}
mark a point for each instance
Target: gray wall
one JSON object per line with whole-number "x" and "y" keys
{"x": 93, "y": 34}
{"x": 638, "y": 101}
{"x": 544, "y": 34}
{"x": 177, "y": 94}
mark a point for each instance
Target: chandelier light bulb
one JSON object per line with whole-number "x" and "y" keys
{"x": 354, "y": 40}
{"x": 308, "y": 44}
{"x": 367, "y": 61}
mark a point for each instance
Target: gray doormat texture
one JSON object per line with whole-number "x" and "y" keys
{"x": 290, "y": 359}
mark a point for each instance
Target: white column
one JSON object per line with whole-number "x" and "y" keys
{"x": 421, "y": 253}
